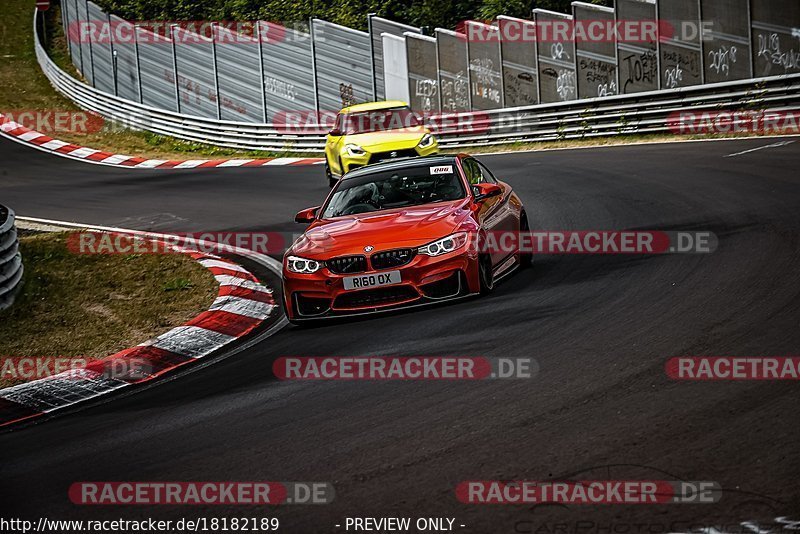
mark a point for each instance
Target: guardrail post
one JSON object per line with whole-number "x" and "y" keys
{"x": 469, "y": 71}
{"x": 138, "y": 64}
{"x": 261, "y": 71}
{"x": 113, "y": 54}
{"x": 175, "y": 67}
{"x": 65, "y": 23}
{"x": 702, "y": 36}
{"x": 372, "y": 55}
{"x": 750, "y": 38}
{"x": 500, "y": 66}
{"x": 91, "y": 48}
{"x": 314, "y": 65}
{"x": 80, "y": 48}
{"x": 214, "y": 26}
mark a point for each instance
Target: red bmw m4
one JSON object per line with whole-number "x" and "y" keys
{"x": 402, "y": 234}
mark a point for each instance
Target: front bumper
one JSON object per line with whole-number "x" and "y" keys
{"x": 424, "y": 280}
{"x": 378, "y": 154}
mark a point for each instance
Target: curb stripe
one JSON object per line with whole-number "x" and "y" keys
{"x": 190, "y": 164}
{"x": 228, "y": 280}
{"x": 25, "y": 135}
{"x": 115, "y": 159}
{"x": 234, "y": 163}
{"x": 152, "y": 163}
{"x": 54, "y": 144}
{"x": 230, "y": 272}
{"x": 83, "y": 152}
{"x": 225, "y": 323}
{"x": 209, "y": 263}
{"x": 240, "y": 306}
{"x": 157, "y": 361}
{"x": 281, "y": 161}
{"x": 61, "y": 390}
{"x": 66, "y": 149}
{"x": 191, "y": 341}
{"x": 28, "y": 136}
{"x": 41, "y": 140}
{"x": 243, "y": 292}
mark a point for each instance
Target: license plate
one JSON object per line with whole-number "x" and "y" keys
{"x": 372, "y": 280}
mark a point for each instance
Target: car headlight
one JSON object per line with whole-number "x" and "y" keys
{"x": 303, "y": 265}
{"x": 354, "y": 150}
{"x": 444, "y": 245}
{"x": 426, "y": 141}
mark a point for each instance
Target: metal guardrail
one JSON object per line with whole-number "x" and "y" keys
{"x": 10, "y": 259}
{"x": 645, "y": 112}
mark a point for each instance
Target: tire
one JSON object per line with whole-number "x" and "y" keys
{"x": 525, "y": 259}
{"x": 485, "y": 274}
{"x": 331, "y": 180}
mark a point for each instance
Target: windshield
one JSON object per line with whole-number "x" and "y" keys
{"x": 399, "y": 188}
{"x": 380, "y": 120}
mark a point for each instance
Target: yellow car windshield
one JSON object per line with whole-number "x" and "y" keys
{"x": 380, "y": 120}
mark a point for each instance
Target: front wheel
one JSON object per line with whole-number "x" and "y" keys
{"x": 331, "y": 180}
{"x": 525, "y": 258}
{"x": 485, "y": 273}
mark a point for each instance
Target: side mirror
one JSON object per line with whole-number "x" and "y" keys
{"x": 335, "y": 132}
{"x": 485, "y": 190}
{"x": 308, "y": 215}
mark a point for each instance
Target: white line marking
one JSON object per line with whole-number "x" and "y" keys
{"x": 29, "y": 136}
{"x": 61, "y": 390}
{"x": 116, "y": 158}
{"x": 227, "y": 280}
{"x": 191, "y": 341}
{"x": 281, "y": 161}
{"x": 773, "y": 145}
{"x": 151, "y": 163}
{"x": 83, "y": 152}
{"x": 241, "y": 306}
{"x": 234, "y": 162}
{"x": 191, "y": 164}
{"x": 55, "y": 144}
{"x": 224, "y": 265}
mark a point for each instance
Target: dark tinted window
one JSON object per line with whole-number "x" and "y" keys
{"x": 477, "y": 173}
{"x": 486, "y": 173}
{"x": 380, "y": 120}
{"x": 398, "y": 188}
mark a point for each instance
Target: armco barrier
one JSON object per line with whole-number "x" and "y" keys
{"x": 644, "y": 112}
{"x": 10, "y": 259}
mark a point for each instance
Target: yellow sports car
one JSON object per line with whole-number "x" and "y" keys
{"x": 373, "y": 132}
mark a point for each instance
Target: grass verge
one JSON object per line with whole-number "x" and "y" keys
{"x": 81, "y": 306}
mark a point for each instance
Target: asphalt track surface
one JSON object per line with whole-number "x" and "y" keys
{"x": 601, "y": 328}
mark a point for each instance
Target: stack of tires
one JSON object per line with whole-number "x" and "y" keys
{"x": 10, "y": 258}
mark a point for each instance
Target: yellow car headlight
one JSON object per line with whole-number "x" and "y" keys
{"x": 426, "y": 141}
{"x": 354, "y": 150}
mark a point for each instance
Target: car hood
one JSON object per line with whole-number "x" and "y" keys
{"x": 384, "y": 230}
{"x": 404, "y": 138}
